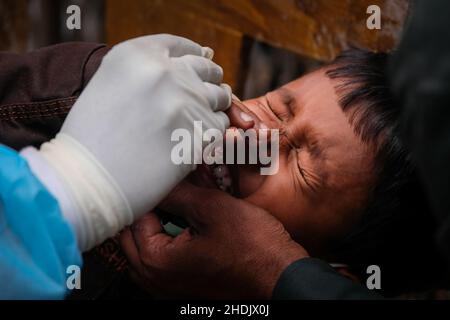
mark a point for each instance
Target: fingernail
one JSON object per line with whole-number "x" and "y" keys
{"x": 245, "y": 117}
{"x": 209, "y": 53}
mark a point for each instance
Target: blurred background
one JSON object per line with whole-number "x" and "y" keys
{"x": 261, "y": 44}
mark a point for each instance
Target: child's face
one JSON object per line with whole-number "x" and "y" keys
{"x": 324, "y": 168}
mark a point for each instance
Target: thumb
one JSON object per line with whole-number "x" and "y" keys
{"x": 198, "y": 206}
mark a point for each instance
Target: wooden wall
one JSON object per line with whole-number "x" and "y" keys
{"x": 13, "y": 25}
{"x": 317, "y": 29}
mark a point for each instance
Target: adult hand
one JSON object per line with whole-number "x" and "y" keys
{"x": 232, "y": 249}
{"x": 112, "y": 157}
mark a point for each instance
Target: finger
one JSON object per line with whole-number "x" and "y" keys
{"x": 179, "y": 46}
{"x": 244, "y": 118}
{"x": 148, "y": 233}
{"x": 240, "y": 118}
{"x": 207, "y": 70}
{"x": 149, "y": 223}
{"x": 219, "y": 97}
{"x": 208, "y": 53}
{"x": 182, "y": 202}
{"x": 222, "y": 121}
{"x": 200, "y": 207}
{"x": 129, "y": 248}
{"x": 175, "y": 45}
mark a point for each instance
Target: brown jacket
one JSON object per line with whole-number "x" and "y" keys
{"x": 38, "y": 89}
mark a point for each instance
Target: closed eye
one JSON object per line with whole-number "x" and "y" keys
{"x": 272, "y": 110}
{"x": 282, "y": 116}
{"x": 311, "y": 180}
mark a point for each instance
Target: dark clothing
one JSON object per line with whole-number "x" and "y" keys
{"x": 311, "y": 278}
{"x": 421, "y": 80}
{"x": 38, "y": 89}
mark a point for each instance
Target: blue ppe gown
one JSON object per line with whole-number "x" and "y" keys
{"x": 37, "y": 245}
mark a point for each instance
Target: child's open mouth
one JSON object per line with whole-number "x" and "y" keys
{"x": 222, "y": 177}
{"x": 214, "y": 176}
{"x": 239, "y": 180}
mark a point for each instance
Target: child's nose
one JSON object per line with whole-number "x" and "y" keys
{"x": 242, "y": 117}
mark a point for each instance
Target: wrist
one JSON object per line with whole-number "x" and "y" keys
{"x": 88, "y": 197}
{"x": 278, "y": 260}
{"x": 50, "y": 179}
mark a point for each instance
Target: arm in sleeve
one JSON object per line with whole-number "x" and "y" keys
{"x": 37, "y": 89}
{"x": 311, "y": 278}
{"x": 36, "y": 243}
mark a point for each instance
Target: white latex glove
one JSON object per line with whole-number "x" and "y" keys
{"x": 111, "y": 162}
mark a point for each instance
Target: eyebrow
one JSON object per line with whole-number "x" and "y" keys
{"x": 317, "y": 150}
{"x": 287, "y": 97}
{"x": 315, "y": 146}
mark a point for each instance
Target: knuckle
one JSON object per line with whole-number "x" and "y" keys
{"x": 153, "y": 253}
{"x": 219, "y": 73}
{"x": 278, "y": 228}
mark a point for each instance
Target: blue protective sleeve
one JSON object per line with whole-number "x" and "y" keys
{"x": 36, "y": 243}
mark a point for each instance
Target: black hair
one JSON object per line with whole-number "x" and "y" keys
{"x": 397, "y": 227}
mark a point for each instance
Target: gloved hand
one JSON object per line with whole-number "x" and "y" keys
{"x": 111, "y": 161}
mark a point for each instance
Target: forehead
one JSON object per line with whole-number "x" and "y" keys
{"x": 315, "y": 90}
{"x": 315, "y": 106}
